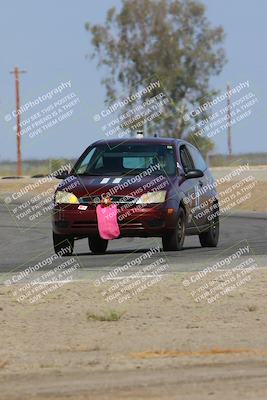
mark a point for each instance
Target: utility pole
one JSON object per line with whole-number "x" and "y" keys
{"x": 17, "y": 73}
{"x": 229, "y": 120}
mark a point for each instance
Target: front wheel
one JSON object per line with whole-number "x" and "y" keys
{"x": 63, "y": 245}
{"x": 210, "y": 237}
{"x": 174, "y": 241}
{"x": 97, "y": 245}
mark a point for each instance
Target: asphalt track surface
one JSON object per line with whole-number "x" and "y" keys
{"x": 24, "y": 247}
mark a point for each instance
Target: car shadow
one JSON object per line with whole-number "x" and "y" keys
{"x": 139, "y": 251}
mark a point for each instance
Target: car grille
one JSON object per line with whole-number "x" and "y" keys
{"x": 94, "y": 200}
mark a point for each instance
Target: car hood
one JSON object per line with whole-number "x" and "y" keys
{"x": 114, "y": 185}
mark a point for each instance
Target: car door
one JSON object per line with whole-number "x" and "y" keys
{"x": 189, "y": 186}
{"x": 204, "y": 200}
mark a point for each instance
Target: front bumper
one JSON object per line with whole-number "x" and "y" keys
{"x": 149, "y": 221}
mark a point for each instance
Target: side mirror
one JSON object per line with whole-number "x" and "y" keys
{"x": 194, "y": 173}
{"x": 62, "y": 175}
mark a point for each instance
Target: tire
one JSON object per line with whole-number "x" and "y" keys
{"x": 210, "y": 237}
{"x": 63, "y": 245}
{"x": 97, "y": 245}
{"x": 174, "y": 241}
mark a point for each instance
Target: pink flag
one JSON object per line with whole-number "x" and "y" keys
{"x": 107, "y": 222}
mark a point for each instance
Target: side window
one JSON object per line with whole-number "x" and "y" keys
{"x": 99, "y": 164}
{"x": 186, "y": 159}
{"x": 197, "y": 159}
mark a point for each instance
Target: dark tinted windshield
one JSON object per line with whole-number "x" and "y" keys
{"x": 127, "y": 159}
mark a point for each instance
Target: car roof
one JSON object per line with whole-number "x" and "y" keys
{"x": 145, "y": 140}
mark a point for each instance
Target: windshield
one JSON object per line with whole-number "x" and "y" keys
{"x": 127, "y": 159}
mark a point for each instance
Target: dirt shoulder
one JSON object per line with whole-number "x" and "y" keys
{"x": 248, "y": 196}
{"x": 165, "y": 345}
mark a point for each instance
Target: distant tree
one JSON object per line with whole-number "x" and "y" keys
{"x": 204, "y": 144}
{"x": 169, "y": 39}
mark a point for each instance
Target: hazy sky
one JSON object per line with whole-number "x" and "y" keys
{"x": 48, "y": 39}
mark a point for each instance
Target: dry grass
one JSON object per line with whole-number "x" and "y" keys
{"x": 110, "y": 315}
{"x": 258, "y": 200}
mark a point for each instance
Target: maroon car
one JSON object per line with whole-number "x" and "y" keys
{"x": 161, "y": 186}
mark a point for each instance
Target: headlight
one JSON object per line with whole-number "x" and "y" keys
{"x": 152, "y": 197}
{"x": 65, "y": 197}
